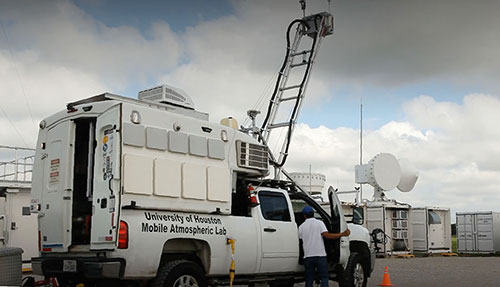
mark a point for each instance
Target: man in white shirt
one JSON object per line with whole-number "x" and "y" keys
{"x": 312, "y": 232}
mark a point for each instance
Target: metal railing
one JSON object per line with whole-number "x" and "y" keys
{"x": 16, "y": 163}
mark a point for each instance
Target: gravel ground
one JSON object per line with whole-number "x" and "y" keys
{"x": 437, "y": 271}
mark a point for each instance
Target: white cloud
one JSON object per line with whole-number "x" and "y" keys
{"x": 63, "y": 54}
{"x": 454, "y": 147}
{"x": 60, "y": 33}
{"x": 47, "y": 88}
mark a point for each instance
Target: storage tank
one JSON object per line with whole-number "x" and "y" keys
{"x": 313, "y": 183}
{"x": 431, "y": 229}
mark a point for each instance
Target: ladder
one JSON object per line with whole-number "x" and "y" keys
{"x": 316, "y": 27}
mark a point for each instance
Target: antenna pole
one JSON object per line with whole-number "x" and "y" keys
{"x": 361, "y": 146}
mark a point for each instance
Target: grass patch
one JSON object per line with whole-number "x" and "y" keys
{"x": 454, "y": 243}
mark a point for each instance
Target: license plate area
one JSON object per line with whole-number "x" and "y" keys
{"x": 69, "y": 265}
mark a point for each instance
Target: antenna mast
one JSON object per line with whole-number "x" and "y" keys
{"x": 361, "y": 146}
{"x": 300, "y": 62}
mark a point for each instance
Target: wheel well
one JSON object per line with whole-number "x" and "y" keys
{"x": 191, "y": 249}
{"x": 362, "y": 248}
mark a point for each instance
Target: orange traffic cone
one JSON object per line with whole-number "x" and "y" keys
{"x": 386, "y": 280}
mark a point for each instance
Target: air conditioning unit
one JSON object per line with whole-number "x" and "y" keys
{"x": 166, "y": 94}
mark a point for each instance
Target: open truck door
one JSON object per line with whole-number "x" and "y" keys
{"x": 338, "y": 225}
{"x": 57, "y": 179}
{"x": 106, "y": 189}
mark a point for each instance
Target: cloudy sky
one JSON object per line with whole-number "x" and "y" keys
{"x": 426, "y": 72}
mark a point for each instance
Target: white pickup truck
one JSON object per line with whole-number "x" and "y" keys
{"x": 149, "y": 190}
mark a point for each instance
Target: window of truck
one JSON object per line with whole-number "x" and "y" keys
{"x": 274, "y": 206}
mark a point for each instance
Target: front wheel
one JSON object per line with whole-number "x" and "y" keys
{"x": 354, "y": 273}
{"x": 180, "y": 273}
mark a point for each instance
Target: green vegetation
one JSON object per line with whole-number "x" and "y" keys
{"x": 454, "y": 243}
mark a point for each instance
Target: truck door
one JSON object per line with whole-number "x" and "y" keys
{"x": 106, "y": 180}
{"x": 418, "y": 220}
{"x": 279, "y": 235}
{"x": 338, "y": 225}
{"x": 57, "y": 180}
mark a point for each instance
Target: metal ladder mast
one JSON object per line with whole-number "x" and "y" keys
{"x": 316, "y": 26}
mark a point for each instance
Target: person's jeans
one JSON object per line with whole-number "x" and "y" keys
{"x": 321, "y": 264}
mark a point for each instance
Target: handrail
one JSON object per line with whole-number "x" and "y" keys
{"x": 18, "y": 169}
{"x": 18, "y": 148}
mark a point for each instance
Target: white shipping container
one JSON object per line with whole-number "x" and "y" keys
{"x": 478, "y": 232}
{"x": 392, "y": 219}
{"x": 431, "y": 228}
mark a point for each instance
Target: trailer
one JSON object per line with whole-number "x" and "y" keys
{"x": 431, "y": 229}
{"x": 478, "y": 232}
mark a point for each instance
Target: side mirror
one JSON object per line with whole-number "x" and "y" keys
{"x": 358, "y": 215}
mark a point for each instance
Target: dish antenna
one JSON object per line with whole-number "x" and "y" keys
{"x": 409, "y": 175}
{"x": 384, "y": 172}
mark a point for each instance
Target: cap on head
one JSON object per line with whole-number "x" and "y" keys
{"x": 307, "y": 210}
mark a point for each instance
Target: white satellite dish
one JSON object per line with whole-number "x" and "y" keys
{"x": 409, "y": 175}
{"x": 382, "y": 172}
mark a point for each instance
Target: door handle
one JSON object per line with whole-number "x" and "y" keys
{"x": 269, "y": 229}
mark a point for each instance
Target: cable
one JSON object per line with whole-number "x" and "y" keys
{"x": 263, "y": 93}
{"x": 17, "y": 131}
{"x": 283, "y": 66}
{"x": 13, "y": 59}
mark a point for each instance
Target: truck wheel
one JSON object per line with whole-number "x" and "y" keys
{"x": 179, "y": 273}
{"x": 354, "y": 274}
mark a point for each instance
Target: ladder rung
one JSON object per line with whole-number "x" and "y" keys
{"x": 290, "y": 87}
{"x": 299, "y": 64}
{"x": 279, "y": 125}
{"x": 300, "y": 53}
{"x": 288, "y": 99}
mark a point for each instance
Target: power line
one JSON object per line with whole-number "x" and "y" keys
{"x": 13, "y": 63}
{"x": 17, "y": 131}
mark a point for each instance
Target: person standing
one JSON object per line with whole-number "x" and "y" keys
{"x": 312, "y": 231}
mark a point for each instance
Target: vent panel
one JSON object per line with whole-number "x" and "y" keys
{"x": 252, "y": 155}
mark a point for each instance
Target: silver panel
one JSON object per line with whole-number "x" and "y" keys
{"x": 156, "y": 138}
{"x": 177, "y": 142}
{"x": 216, "y": 149}
{"x": 198, "y": 145}
{"x": 134, "y": 135}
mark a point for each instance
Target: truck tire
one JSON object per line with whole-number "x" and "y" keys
{"x": 180, "y": 273}
{"x": 354, "y": 273}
